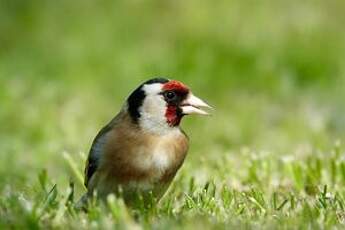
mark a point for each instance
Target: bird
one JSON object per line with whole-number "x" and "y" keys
{"x": 139, "y": 152}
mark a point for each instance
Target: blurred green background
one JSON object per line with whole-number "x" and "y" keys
{"x": 273, "y": 70}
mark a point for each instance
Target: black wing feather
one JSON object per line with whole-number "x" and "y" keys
{"x": 94, "y": 154}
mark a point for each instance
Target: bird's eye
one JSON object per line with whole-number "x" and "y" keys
{"x": 170, "y": 95}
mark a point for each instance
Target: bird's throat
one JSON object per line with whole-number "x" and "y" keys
{"x": 173, "y": 115}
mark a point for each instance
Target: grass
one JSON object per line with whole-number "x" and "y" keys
{"x": 271, "y": 156}
{"x": 274, "y": 191}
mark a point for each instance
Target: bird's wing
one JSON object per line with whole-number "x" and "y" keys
{"x": 96, "y": 151}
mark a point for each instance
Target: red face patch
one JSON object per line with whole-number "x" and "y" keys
{"x": 181, "y": 91}
{"x": 172, "y": 116}
{"x": 175, "y": 86}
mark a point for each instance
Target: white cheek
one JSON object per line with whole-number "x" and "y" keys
{"x": 152, "y": 112}
{"x": 155, "y": 106}
{"x": 152, "y": 115}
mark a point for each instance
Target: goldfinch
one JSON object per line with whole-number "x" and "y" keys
{"x": 140, "y": 151}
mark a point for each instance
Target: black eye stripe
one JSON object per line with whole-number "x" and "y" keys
{"x": 173, "y": 97}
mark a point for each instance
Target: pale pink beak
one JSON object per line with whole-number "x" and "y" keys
{"x": 194, "y": 105}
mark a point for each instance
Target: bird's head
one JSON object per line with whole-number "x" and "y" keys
{"x": 159, "y": 104}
